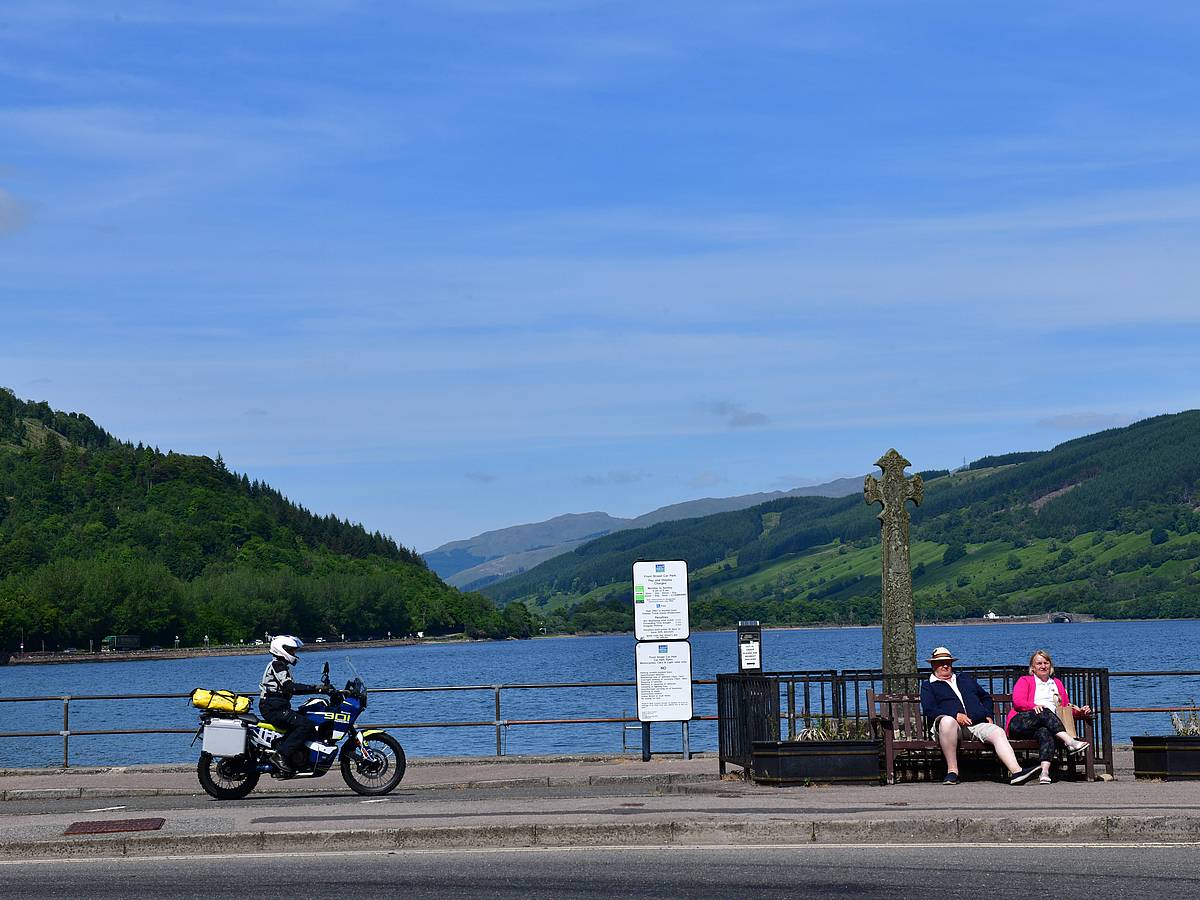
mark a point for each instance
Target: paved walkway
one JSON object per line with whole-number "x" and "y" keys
{"x": 569, "y": 800}
{"x": 444, "y": 772}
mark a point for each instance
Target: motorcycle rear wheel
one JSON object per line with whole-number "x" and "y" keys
{"x": 227, "y": 777}
{"x": 379, "y": 771}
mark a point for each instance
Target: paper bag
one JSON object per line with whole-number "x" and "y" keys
{"x": 1067, "y": 715}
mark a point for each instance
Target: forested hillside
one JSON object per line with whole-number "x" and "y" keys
{"x": 1106, "y": 524}
{"x": 98, "y": 536}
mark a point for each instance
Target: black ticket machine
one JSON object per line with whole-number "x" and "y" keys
{"x": 749, "y": 634}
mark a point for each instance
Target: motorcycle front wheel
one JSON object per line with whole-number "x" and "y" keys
{"x": 227, "y": 777}
{"x": 378, "y": 769}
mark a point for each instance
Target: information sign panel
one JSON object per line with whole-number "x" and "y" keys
{"x": 660, "y": 601}
{"x": 664, "y": 681}
{"x": 749, "y": 659}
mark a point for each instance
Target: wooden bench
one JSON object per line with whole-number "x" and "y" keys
{"x": 896, "y": 720}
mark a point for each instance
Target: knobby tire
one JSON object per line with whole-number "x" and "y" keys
{"x": 227, "y": 778}
{"x": 380, "y": 772}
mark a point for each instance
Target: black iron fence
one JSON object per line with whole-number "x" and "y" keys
{"x": 750, "y": 708}
{"x": 770, "y": 705}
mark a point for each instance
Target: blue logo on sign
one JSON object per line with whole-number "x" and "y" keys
{"x": 663, "y": 648}
{"x": 659, "y": 567}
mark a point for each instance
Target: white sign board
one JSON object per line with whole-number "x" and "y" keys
{"x": 660, "y": 601}
{"x": 750, "y": 656}
{"x": 664, "y": 681}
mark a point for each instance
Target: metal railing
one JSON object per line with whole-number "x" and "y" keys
{"x": 802, "y": 698}
{"x": 498, "y": 722}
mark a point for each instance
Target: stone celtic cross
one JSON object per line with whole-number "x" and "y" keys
{"x": 899, "y": 627}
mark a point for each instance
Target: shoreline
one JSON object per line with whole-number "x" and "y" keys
{"x": 55, "y": 658}
{"x": 1040, "y": 619}
{"x": 118, "y": 656}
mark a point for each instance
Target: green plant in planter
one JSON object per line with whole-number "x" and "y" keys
{"x": 827, "y": 751}
{"x": 836, "y": 730}
{"x": 1172, "y": 757}
{"x": 1188, "y": 724}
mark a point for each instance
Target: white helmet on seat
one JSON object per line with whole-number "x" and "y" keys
{"x": 285, "y": 646}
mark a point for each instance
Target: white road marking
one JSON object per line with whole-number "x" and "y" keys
{"x": 223, "y": 857}
{"x": 107, "y": 809}
{"x": 380, "y": 800}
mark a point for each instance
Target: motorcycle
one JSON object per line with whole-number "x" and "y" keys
{"x": 237, "y": 745}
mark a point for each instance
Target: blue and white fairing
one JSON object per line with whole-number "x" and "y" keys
{"x": 332, "y": 724}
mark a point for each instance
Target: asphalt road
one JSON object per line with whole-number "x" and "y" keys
{"x": 861, "y": 872}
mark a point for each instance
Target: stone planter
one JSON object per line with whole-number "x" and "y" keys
{"x": 816, "y": 762}
{"x": 1169, "y": 757}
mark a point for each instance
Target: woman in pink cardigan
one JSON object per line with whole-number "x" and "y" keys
{"x": 1036, "y": 700}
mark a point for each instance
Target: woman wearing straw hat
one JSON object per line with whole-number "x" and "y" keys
{"x": 1037, "y": 701}
{"x": 959, "y": 707}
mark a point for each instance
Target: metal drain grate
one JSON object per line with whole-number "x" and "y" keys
{"x": 110, "y": 826}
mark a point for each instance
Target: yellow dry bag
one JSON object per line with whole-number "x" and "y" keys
{"x": 220, "y": 701}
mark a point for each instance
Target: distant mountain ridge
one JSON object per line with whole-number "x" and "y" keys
{"x": 495, "y": 555}
{"x": 1107, "y": 524}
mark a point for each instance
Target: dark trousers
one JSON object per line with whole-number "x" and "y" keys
{"x": 297, "y": 727}
{"x": 1042, "y": 725}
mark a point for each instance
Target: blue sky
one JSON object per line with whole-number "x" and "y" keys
{"x": 443, "y": 267}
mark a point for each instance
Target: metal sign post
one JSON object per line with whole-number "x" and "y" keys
{"x": 663, "y": 655}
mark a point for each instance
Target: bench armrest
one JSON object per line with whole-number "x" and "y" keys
{"x": 881, "y": 726}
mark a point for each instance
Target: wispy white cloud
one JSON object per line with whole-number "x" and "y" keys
{"x": 735, "y": 415}
{"x": 145, "y": 135}
{"x": 705, "y": 480}
{"x": 602, "y": 479}
{"x": 711, "y": 232}
{"x": 1083, "y": 422}
{"x": 1108, "y": 147}
{"x": 13, "y": 213}
{"x": 1120, "y": 208}
{"x": 121, "y": 157}
{"x": 508, "y": 8}
{"x": 86, "y": 80}
{"x": 174, "y": 13}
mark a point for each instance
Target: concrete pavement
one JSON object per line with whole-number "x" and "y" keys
{"x": 422, "y": 773}
{"x": 555, "y": 801}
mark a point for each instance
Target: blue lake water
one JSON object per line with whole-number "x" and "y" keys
{"x": 1121, "y": 646}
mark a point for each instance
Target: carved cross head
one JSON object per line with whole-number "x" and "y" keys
{"x": 894, "y": 489}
